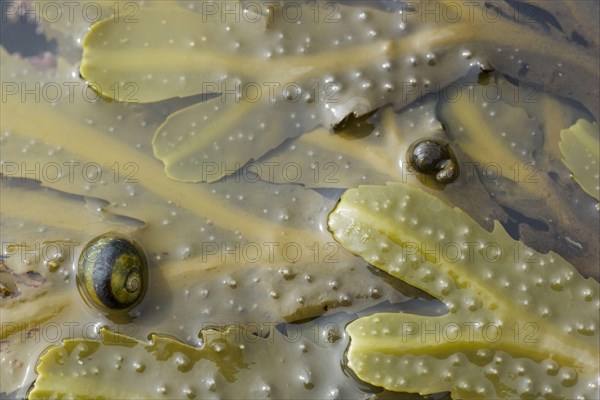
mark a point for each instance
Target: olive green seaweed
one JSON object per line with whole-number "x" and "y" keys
{"x": 185, "y": 229}
{"x": 373, "y": 150}
{"x": 264, "y": 66}
{"x": 235, "y": 361}
{"x": 310, "y": 76}
{"x": 66, "y": 23}
{"x": 79, "y": 368}
{"x": 344, "y": 159}
{"x": 580, "y": 148}
{"x": 308, "y": 72}
{"x": 504, "y": 145}
{"x": 520, "y": 323}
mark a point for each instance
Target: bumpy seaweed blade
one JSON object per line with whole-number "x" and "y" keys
{"x": 489, "y": 122}
{"x": 277, "y": 78}
{"x": 239, "y": 250}
{"x": 580, "y": 148}
{"x": 520, "y": 323}
{"x": 300, "y": 361}
{"x": 334, "y": 60}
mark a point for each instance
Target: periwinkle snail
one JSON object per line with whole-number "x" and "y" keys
{"x": 113, "y": 272}
{"x": 433, "y": 157}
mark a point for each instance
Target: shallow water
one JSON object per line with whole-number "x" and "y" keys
{"x": 216, "y": 250}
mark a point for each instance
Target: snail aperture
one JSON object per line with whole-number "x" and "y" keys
{"x": 433, "y": 157}
{"x": 112, "y": 272}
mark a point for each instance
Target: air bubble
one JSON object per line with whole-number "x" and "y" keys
{"x": 230, "y": 282}
{"x": 334, "y": 393}
{"x": 556, "y": 284}
{"x": 287, "y": 274}
{"x": 551, "y": 367}
{"x": 587, "y": 330}
{"x": 162, "y": 390}
{"x": 210, "y": 383}
{"x": 375, "y": 293}
{"x": 182, "y": 362}
{"x": 587, "y": 294}
{"x": 189, "y": 393}
{"x": 447, "y": 376}
{"x": 568, "y": 377}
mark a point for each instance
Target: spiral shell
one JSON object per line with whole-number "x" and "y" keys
{"x": 433, "y": 157}
{"x": 112, "y": 272}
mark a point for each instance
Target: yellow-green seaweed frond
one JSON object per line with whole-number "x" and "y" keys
{"x": 581, "y": 154}
{"x": 520, "y": 323}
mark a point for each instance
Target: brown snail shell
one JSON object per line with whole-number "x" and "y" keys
{"x": 112, "y": 272}
{"x": 433, "y": 157}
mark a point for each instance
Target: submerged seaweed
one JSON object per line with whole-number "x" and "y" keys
{"x": 237, "y": 251}
{"x": 580, "y": 148}
{"x": 233, "y": 362}
{"x": 520, "y": 324}
{"x": 360, "y": 87}
{"x": 309, "y": 73}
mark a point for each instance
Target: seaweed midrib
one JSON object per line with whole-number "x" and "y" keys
{"x": 565, "y": 351}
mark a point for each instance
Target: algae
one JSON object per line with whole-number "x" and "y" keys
{"x": 520, "y": 323}
{"x": 580, "y": 148}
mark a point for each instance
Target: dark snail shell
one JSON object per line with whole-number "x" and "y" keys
{"x": 113, "y": 271}
{"x": 433, "y": 157}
